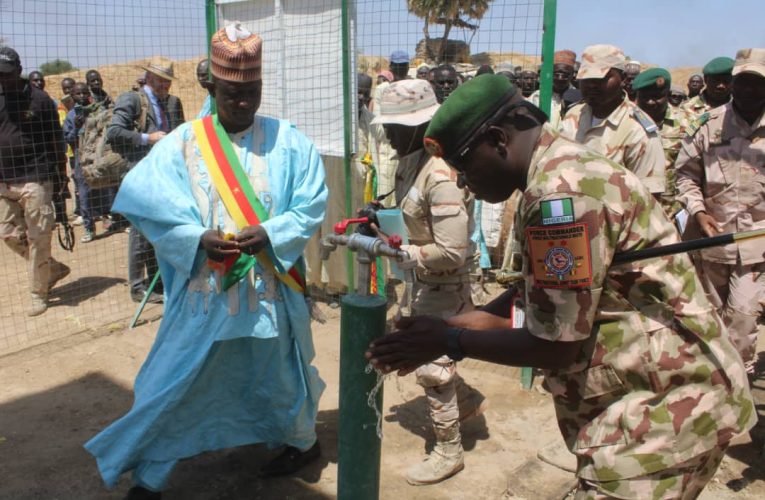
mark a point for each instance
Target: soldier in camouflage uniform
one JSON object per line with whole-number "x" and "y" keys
{"x": 717, "y": 85}
{"x": 439, "y": 221}
{"x": 648, "y": 389}
{"x": 721, "y": 181}
{"x": 609, "y": 123}
{"x": 653, "y": 87}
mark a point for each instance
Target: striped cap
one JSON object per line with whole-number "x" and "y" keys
{"x": 236, "y": 54}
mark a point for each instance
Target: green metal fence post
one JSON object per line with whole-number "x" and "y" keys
{"x": 211, "y": 22}
{"x": 362, "y": 320}
{"x": 347, "y": 126}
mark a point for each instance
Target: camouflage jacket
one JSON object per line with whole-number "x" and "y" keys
{"x": 721, "y": 170}
{"x": 627, "y": 136}
{"x": 657, "y": 381}
{"x": 696, "y": 105}
{"x": 439, "y": 220}
{"x": 676, "y": 122}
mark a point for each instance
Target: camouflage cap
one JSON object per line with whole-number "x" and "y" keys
{"x": 597, "y": 60}
{"x": 750, "y": 61}
{"x": 407, "y": 102}
{"x": 719, "y": 66}
{"x": 465, "y": 111}
{"x": 659, "y": 77}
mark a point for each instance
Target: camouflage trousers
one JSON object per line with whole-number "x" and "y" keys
{"x": 438, "y": 377}
{"x": 684, "y": 481}
{"x": 26, "y": 225}
{"x": 737, "y": 291}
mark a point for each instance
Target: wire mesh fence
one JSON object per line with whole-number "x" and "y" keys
{"x": 304, "y": 81}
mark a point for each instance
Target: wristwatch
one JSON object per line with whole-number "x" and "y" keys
{"x": 453, "y": 348}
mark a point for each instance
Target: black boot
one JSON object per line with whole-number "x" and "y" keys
{"x": 140, "y": 493}
{"x": 290, "y": 461}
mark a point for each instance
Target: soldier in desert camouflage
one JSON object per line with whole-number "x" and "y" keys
{"x": 721, "y": 181}
{"x": 648, "y": 389}
{"x": 653, "y": 87}
{"x": 438, "y": 216}
{"x": 717, "y": 86}
{"x": 609, "y": 123}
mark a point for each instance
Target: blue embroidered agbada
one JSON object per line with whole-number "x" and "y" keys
{"x": 228, "y": 368}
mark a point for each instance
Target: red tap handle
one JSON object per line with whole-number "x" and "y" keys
{"x": 395, "y": 241}
{"x": 342, "y": 226}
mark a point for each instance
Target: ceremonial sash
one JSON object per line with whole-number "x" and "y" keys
{"x": 240, "y": 200}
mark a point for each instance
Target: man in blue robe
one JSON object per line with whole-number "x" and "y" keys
{"x": 229, "y": 367}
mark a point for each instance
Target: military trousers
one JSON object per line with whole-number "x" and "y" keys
{"x": 437, "y": 377}
{"x": 684, "y": 481}
{"x": 27, "y": 219}
{"x": 738, "y": 292}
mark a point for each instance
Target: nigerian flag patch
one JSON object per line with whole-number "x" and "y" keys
{"x": 557, "y": 212}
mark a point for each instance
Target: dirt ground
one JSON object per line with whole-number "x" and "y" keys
{"x": 56, "y": 395}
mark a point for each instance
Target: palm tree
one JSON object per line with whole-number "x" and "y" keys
{"x": 450, "y": 13}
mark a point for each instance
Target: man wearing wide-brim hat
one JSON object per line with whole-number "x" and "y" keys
{"x": 721, "y": 182}
{"x": 229, "y": 202}
{"x": 139, "y": 121}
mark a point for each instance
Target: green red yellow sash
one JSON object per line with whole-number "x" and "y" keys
{"x": 240, "y": 200}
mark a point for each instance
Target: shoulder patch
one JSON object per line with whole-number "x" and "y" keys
{"x": 697, "y": 123}
{"x": 557, "y": 211}
{"x": 645, "y": 120}
{"x": 560, "y": 256}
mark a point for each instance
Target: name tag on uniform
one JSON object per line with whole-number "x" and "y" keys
{"x": 560, "y": 256}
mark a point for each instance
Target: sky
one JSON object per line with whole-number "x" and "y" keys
{"x": 668, "y": 33}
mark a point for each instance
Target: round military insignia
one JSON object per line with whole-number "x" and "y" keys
{"x": 559, "y": 261}
{"x": 433, "y": 147}
{"x": 660, "y": 81}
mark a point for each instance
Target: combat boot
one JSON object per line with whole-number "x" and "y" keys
{"x": 444, "y": 461}
{"x": 470, "y": 402}
{"x": 37, "y": 305}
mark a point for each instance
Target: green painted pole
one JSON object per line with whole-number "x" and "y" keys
{"x": 545, "y": 103}
{"x": 362, "y": 320}
{"x": 347, "y": 128}
{"x": 211, "y": 21}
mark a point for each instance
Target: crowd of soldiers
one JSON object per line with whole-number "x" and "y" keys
{"x": 701, "y": 157}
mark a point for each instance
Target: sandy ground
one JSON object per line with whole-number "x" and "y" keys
{"x": 56, "y": 395}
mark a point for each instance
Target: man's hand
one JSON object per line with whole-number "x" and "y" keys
{"x": 252, "y": 239}
{"x": 217, "y": 247}
{"x": 419, "y": 340}
{"x": 708, "y": 224}
{"x": 155, "y": 137}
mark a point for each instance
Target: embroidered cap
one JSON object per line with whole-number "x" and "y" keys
{"x": 236, "y": 54}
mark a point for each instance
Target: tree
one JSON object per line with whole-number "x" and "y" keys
{"x": 56, "y": 67}
{"x": 449, "y": 13}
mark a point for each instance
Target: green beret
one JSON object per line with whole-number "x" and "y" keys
{"x": 654, "y": 76}
{"x": 719, "y": 66}
{"x": 462, "y": 114}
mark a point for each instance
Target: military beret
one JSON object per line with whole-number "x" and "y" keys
{"x": 654, "y": 76}
{"x": 469, "y": 107}
{"x": 719, "y": 66}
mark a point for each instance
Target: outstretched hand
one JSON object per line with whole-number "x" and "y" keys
{"x": 217, "y": 247}
{"x": 418, "y": 340}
